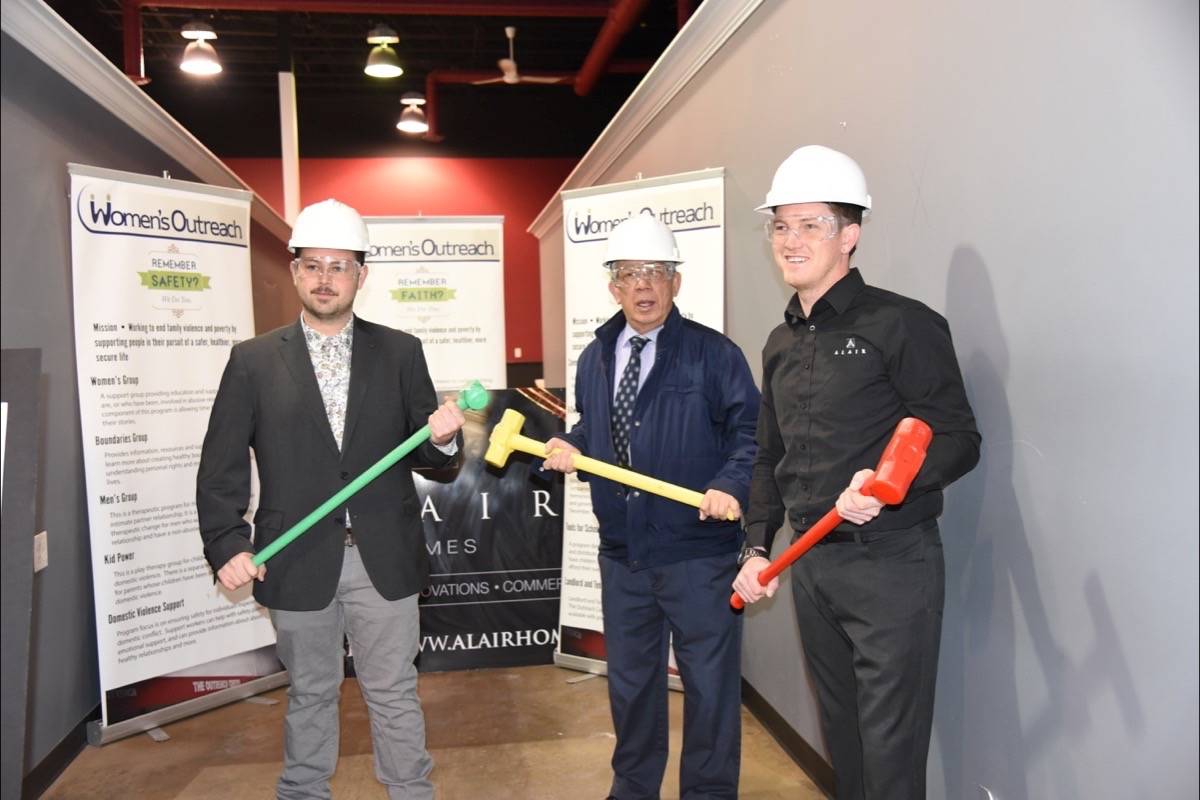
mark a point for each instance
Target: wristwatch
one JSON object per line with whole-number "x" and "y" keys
{"x": 749, "y": 553}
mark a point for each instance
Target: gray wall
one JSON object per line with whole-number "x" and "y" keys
{"x": 1034, "y": 169}
{"x": 47, "y": 123}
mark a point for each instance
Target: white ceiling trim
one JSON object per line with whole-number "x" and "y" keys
{"x": 705, "y": 33}
{"x": 37, "y": 28}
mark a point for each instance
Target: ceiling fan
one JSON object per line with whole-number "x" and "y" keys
{"x": 508, "y": 67}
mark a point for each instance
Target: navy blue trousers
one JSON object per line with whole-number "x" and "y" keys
{"x": 688, "y": 603}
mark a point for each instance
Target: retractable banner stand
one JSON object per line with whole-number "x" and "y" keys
{"x": 494, "y": 537}
{"x": 693, "y": 206}
{"x": 442, "y": 280}
{"x": 161, "y": 272}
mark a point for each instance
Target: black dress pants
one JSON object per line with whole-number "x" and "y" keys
{"x": 869, "y": 608}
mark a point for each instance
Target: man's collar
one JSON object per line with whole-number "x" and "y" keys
{"x": 628, "y": 333}
{"x": 346, "y": 333}
{"x": 611, "y": 331}
{"x": 838, "y": 297}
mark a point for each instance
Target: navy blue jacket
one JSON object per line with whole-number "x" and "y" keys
{"x": 693, "y": 425}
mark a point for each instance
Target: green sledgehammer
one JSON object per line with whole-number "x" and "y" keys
{"x": 474, "y": 397}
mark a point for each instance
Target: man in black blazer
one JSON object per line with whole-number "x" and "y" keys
{"x": 319, "y": 401}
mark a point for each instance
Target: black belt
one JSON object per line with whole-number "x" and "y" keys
{"x": 840, "y": 537}
{"x": 866, "y": 537}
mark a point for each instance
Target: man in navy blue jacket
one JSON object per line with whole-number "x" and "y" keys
{"x": 673, "y": 399}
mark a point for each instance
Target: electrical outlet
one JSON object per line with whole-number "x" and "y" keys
{"x": 517, "y": 351}
{"x": 41, "y": 552}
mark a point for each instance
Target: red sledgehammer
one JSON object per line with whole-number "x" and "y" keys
{"x": 898, "y": 466}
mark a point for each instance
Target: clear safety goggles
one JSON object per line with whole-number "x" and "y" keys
{"x": 324, "y": 266}
{"x": 629, "y": 275}
{"x": 806, "y": 229}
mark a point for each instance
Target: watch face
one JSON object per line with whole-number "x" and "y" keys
{"x": 748, "y": 554}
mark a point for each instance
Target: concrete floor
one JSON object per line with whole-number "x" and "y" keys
{"x": 500, "y": 733}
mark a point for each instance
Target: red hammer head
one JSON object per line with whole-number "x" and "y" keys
{"x": 900, "y": 462}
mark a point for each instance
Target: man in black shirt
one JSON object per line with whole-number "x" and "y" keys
{"x": 847, "y": 364}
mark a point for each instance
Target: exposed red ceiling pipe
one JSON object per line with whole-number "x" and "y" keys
{"x": 440, "y": 76}
{"x": 444, "y": 8}
{"x": 131, "y": 26}
{"x": 132, "y": 20}
{"x": 619, "y": 20}
{"x": 623, "y": 15}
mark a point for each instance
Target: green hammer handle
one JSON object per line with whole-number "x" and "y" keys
{"x": 473, "y": 397}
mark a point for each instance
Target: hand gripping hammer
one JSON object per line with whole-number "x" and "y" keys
{"x": 898, "y": 466}
{"x": 506, "y": 437}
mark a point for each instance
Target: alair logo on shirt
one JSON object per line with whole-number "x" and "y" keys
{"x": 851, "y": 348}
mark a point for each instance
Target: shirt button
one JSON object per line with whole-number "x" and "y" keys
{"x": 637, "y": 423}
{"x": 345, "y": 475}
{"x": 803, "y": 447}
{"x": 812, "y": 327}
{"x": 806, "y": 365}
{"x": 637, "y": 494}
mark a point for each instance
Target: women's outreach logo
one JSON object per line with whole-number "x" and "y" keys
{"x": 103, "y": 217}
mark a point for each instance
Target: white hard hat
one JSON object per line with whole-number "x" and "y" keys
{"x": 642, "y": 237}
{"x": 331, "y": 225}
{"x": 816, "y": 174}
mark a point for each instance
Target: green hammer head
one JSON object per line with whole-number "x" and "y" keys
{"x": 474, "y": 397}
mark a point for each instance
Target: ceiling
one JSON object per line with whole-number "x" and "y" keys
{"x": 343, "y": 112}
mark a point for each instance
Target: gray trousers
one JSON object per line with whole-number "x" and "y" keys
{"x": 383, "y": 637}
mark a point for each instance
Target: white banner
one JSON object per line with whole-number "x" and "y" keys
{"x": 693, "y": 206}
{"x": 161, "y": 273}
{"x": 442, "y": 280}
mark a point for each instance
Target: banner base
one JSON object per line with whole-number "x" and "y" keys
{"x": 601, "y": 668}
{"x": 99, "y": 734}
{"x": 580, "y": 663}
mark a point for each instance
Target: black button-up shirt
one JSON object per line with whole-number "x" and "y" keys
{"x": 835, "y": 385}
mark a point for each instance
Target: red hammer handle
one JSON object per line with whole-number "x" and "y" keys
{"x": 797, "y": 548}
{"x": 898, "y": 467}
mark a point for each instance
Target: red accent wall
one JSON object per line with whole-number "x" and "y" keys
{"x": 518, "y": 189}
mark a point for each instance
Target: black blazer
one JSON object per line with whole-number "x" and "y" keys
{"x": 269, "y": 400}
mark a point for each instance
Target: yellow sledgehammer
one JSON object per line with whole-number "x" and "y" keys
{"x": 506, "y": 437}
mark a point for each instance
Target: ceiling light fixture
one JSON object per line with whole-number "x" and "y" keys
{"x": 198, "y": 30}
{"x": 412, "y": 119}
{"x": 383, "y": 61}
{"x": 199, "y": 57}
